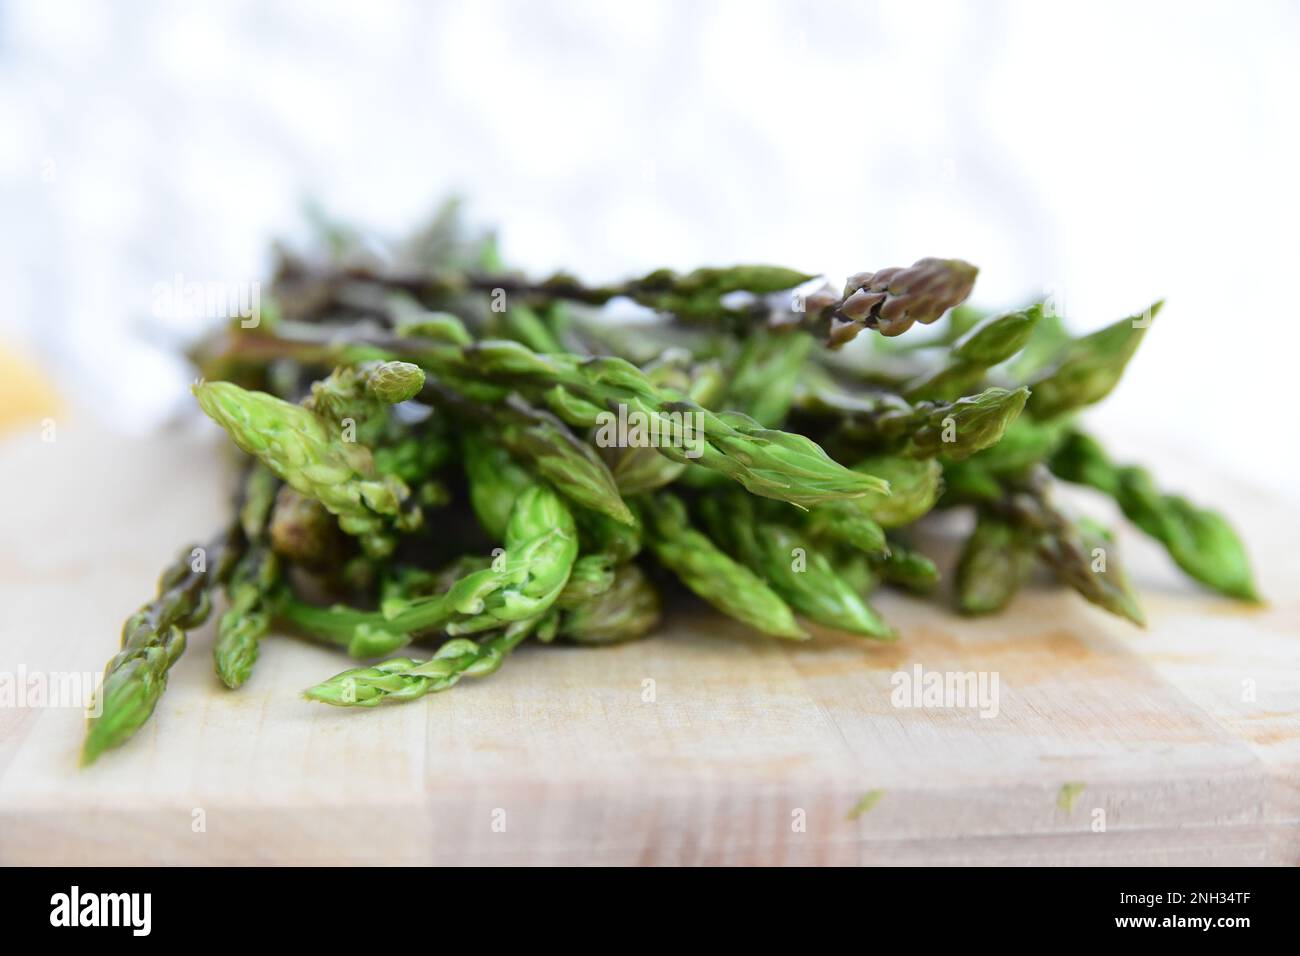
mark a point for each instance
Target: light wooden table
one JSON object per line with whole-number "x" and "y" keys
{"x": 1184, "y": 741}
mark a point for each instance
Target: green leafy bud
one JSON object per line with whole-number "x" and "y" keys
{"x": 993, "y": 341}
{"x": 914, "y": 486}
{"x": 998, "y": 338}
{"x": 394, "y": 382}
{"x": 968, "y": 425}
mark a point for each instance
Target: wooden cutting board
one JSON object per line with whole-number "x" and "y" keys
{"x": 706, "y": 744}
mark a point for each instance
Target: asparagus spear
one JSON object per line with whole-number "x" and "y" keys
{"x": 541, "y": 546}
{"x": 250, "y": 586}
{"x": 543, "y": 443}
{"x": 153, "y": 638}
{"x": 402, "y": 678}
{"x": 495, "y": 481}
{"x": 907, "y": 568}
{"x": 250, "y": 593}
{"x": 1200, "y": 541}
{"x": 637, "y": 469}
{"x": 891, "y": 300}
{"x": 592, "y": 576}
{"x": 802, "y": 575}
{"x": 708, "y": 571}
{"x": 886, "y": 422}
{"x": 302, "y": 450}
{"x": 770, "y": 463}
{"x": 1090, "y": 367}
{"x": 765, "y": 374}
{"x": 1081, "y": 553}
{"x": 994, "y": 340}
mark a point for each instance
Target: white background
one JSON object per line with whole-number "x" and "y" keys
{"x": 1110, "y": 153}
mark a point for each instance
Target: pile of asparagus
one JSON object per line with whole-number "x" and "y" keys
{"x": 437, "y": 453}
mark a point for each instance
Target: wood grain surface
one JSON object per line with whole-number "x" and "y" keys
{"x": 704, "y": 745}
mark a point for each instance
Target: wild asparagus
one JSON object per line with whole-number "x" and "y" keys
{"x": 302, "y": 450}
{"x": 596, "y": 392}
{"x": 795, "y": 569}
{"x": 708, "y": 571}
{"x": 153, "y": 638}
{"x": 543, "y": 443}
{"x": 579, "y": 440}
{"x": 907, "y": 568}
{"x": 250, "y": 595}
{"x": 1081, "y": 553}
{"x": 403, "y": 678}
{"x": 891, "y": 300}
{"x": 1200, "y": 541}
{"x": 994, "y": 340}
{"x": 886, "y": 422}
{"x": 251, "y": 584}
{"x": 1090, "y": 367}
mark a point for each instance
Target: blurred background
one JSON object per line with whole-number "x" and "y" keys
{"x": 1105, "y": 154}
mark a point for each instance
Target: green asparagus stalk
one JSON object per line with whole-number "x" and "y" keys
{"x": 914, "y": 486}
{"x": 1200, "y": 541}
{"x": 402, "y": 678}
{"x": 542, "y": 442}
{"x": 302, "y": 450}
{"x": 496, "y": 481}
{"x": 361, "y": 394}
{"x": 603, "y": 535}
{"x": 592, "y": 576}
{"x": 707, "y": 570}
{"x": 639, "y": 469}
{"x": 362, "y": 634}
{"x": 1090, "y": 367}
{"x": 260, "y": 489}
{"x": 770, "y": 463}
{"x": 885, "y": 422}
{"x": 153, "y": 639}
{"x": 849, "y": 522}
{"x": 251, "y": 584}
{"x": 993, "y": 341}
{"x": 525, "y": 579}
{"x": 541, "y": 547}
{"x": 1081, "y": 553}
{"x": 801, "y": 574}
{"x": 250, "y": 595}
